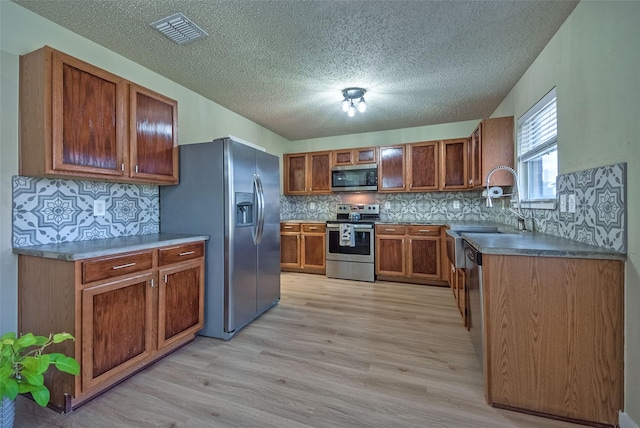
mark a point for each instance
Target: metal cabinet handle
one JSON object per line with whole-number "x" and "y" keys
{"x": 288, "y": 227}
{"x": 424, "y": 230}
{"x": 313, "y": 228}
{"x": 123, "y": 266}
{"x": 152, "y": 282}
{"x": 186, "y": 253}
{"x": 166, "y": 279}
{"x": 389, "y": 230}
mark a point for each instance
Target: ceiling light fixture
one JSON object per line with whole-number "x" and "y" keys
{"x": 351, "y": 94}
{"x": 179, "y": 28}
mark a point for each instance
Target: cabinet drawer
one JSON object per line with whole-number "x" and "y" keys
{"x": 122, "y": 264}
{"x": 390, "y": 229}
{"x": 289, "y": 227}
{"x": 180, "y": 253}
{"x": 426, "y": 230}
{"x": 314, "y": 228}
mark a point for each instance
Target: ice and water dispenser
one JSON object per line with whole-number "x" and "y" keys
{"x": 245, "y": 210}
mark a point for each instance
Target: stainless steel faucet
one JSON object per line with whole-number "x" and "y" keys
{"x": 516, "y": 193}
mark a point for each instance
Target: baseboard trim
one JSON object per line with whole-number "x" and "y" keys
{"x": 626, "y": 421}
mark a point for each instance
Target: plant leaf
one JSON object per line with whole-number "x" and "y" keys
{"x": 32, "y": 378}
{"x": 8, "y": 336}
{"x": 41, "y": 395}
{"x": 61, "y": 337}
{"x": 67, "y": 365}
{"x": 24, "y": 341}
{"x": 9, "y": 388}
{"x": 36, "y": 365}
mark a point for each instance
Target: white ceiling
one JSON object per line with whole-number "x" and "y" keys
{"x": 284, "y": 63}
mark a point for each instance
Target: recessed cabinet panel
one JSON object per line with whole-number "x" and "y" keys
{"x": 320, "y": 166}
{"x": 180, "y": 302}
{"x": 454, "y": 159}
{"x": 295, "y": 174}
{"x": 391, "y": 170}
{"x": 424, "y": 254}
{"x": 89, "y": 121}
{"x": 116, "y": 329}
{"x": 154, "y": 142}
{"x": 423, "y": 166}
{"x": 88, "y": 110}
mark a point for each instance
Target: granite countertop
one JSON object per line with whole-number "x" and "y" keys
{"x": 512, "y": 242}
{"x": 79, "y": 250}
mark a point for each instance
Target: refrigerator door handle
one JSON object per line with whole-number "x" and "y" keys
{"x": 257, "y": 184}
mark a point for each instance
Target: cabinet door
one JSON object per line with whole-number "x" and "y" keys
{"x": 295, "y": 174}
{"x": 290, "y": 249}
{"x": 343, "y": 157}
{"x": 116, "y": 327}
{"x": 423, "y": 166}
{"x": 496, "y": 148}
{"x": 391, "y": 169}
{"x": 475, "y": 157}
{"x": 390, "y": 255}
{"x": 153, "y": 136}
{"x": 320, "y": 172}
{"x": 424, "y": 257}
{"x": 313, "y": 251}
{"x": 462, "y": 295}
{"x": 365, "y": 155}
{"x": 87, "y": 119}
{"x": 454, "y": 164}
{"x": 180, "y": 301}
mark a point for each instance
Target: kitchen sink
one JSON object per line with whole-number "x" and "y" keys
{"x": 455, "y": 242}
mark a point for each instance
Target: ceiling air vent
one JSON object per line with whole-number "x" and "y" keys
{"x": 179, "y": 28}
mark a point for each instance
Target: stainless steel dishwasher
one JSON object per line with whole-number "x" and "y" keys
{"x": 473, "y": 268}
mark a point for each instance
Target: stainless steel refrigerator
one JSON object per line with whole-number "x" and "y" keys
{"x": 229, "y": 191}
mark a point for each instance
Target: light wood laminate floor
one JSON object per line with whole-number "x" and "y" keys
{"x": 332, "y": 354}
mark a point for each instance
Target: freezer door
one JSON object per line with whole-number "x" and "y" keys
{"x": 241, "y": 281}
{"x": 268, "y": 170}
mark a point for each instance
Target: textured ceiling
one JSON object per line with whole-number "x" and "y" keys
{"x": 283, "y": 64}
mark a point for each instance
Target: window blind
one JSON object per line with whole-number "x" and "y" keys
{"x": 538, "y": 133}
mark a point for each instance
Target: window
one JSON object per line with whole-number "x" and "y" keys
{"x": 538, "y": 150}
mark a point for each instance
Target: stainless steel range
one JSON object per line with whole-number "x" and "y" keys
{"x": 351, "y": 242}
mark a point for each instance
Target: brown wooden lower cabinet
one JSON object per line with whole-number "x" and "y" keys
{"x": 409, "y": 253}
{"x": 554, "y": 336}
{"x": 125, "y": 312}
{"x": 303, "y": 247}
{"x": 459, "y": 290}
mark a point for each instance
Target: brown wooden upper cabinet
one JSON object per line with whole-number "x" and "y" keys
{"x": 307, "y": 173}
{"x": 79, "y": 121}
{"x": 430, "y": 166}
{"x": 491, "y": 144}
{"x": 454, "y": 164}
{"x": 423, "y": 166}
{"x": 152, "y": 135}
{"x": 391, "y": 169}
{"x": 354, "y": 156}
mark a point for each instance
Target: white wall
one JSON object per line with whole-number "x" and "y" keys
{"x": 594, "y": 62}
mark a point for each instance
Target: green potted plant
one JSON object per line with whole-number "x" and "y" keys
{"x": 22, "y": 367}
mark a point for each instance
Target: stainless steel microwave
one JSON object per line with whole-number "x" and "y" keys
{"x": 355, "y": 178}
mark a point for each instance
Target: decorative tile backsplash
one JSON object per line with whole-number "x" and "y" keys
{"x": 600, "y": 217}
{"x": 47, "y": 211}
{"x": 59, "y": 210}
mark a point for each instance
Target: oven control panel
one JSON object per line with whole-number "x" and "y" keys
{"x": 368, "y": 209}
